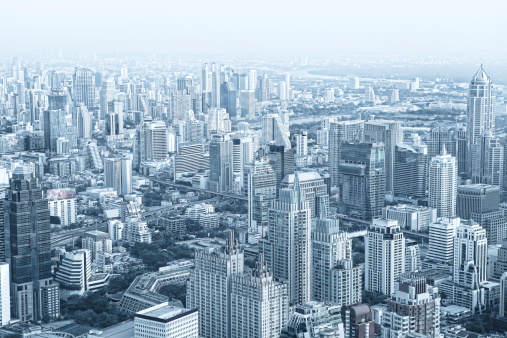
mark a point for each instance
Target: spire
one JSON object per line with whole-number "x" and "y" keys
{"x": 444, "y": 151}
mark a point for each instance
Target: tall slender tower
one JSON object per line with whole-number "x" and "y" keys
{"x": 261, "y": 193}
{"x": 289, "y": 237}
{"x": 480, "y": 110}
{"x": 84, "y": 87}
{"x": 28, "y": 249}
{"x": 443, "y": 177}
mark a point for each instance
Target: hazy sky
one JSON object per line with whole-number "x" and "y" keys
{"x": 260, "y": 27}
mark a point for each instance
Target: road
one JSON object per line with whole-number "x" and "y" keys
{"x": 64, "y": 237}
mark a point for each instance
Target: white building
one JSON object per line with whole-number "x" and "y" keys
{"x": 385, "y": 256}
{"x": 443, "y": 176}
{"x": 411, "y": 217}
{"x": 136, "y": 231}
{"x": 441, "y": 239}
{"x": 5, "y": 294}
{"x": 62, "y": 204}
{"x": 275, "y": 130}
{"x": 115, "y": 230}
{"x": 470, "y": 254}
{"x": 75, "y": 269}
{"x": 97, "y": 242}
{"x": 346, "y": 283}
{"x": 166, "y": 321}
{"x": 259, "y": 304}
{"x": 194, "y": 211}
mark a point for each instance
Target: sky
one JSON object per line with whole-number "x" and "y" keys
{"x": 256, "y": 27}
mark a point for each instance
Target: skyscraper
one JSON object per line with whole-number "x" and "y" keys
{"x": 282, "y": 162}
{"x": 275, "y": 131}
{"x": 384, "y": 256}
{"x": 390, "y": 134}
{"x": 411, "y": 170}
{"x": 5, "y": 293}
{"x": 106, "y": 95}
{"x": 443, "y": 177}
{"x": 339, "y": 133}
{"x": 28, "y": 249}
{"x": 209, "y": 288}
{"x": 84, "y": 87}
{"x": 84, "y": 122}
{"x": 228, "y": 98}
{"x": 221, "y": 163}
{"x": 314, "y": 188}
{"x": 362, "y": 179}
{"x": 488, "y": 162}
{"x": 470, "y": 254}
{"x": 289, "y": 240}
{"x": 150, "y": 142}
{"x": 477, "y": 198}
{"x": 441, "y": 240}
{"x": 480, "y": 111}
{"x": 261, "y": 189}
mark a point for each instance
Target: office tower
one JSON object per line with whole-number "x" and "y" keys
{"x": 289, "y": 237}
{"x": 461, "y": 148}
{"x": 358, "y": 321}
{"x": 441, "y": 240}
{"x": 410, "y": 170}
{"x": 165, "y": 320}
{"x": 84, "y": 87}
{"x": 242, "y": 153}
{"x": 181, "y": 103}
{"x": 62, "y": 146}
{"x": 124, "y": 72}
{"x": 282, "y": 162}
{"x": 329, "y": 245}
{"x": 55, "y": 126}
{"x": 385, "y": 256}
{"x": 362, "y": 179}
{"x": 228, "y": 98}
{"x": 84, "y": 122}
{"x": 74, "y": 269}
{"x": 59, "y": 99}
{"x": 265, "y": 90}
{"x": 107, "y": 93}
{"x": 27, "y": 234}
{"x": 207, "y": 87}
{"x": 314, "y": 319}
{"x": 437, "y": 138}
{"x": 190, "y": 158}
{"x": 412, "y": 256}
{"x": 302, "y": 143}
{"x": 220, "y": 164}
{"x": 62, "y": 204}
{"x": 369, "y": 94}
{"x": 488, "y": 160}
{"x": 339, "y": 133}
{"x": 353, "y": 83}
{"x": 5, "y": 294}
{"x": 394, "y": 96}
{"x": 477, "y": 198}
{"x": 411, "y": 217}
{"x": 470, "y": 254}
{"x": 92, "y": 156}
{"x": 252, "y": 79}
{"x": 275, "y": 131}
{"x": 418, "y": 301}
{"x": 261, "y": 190}
{"x": 315, "y": 190}
{"x": 150, "y": 143}
{"x": 114, "y": 124}
{"x": 480, "y": 111}
{"x": 286, "y": 80}
{"x": 126, "y": 176}
{"x": 442, "y": 188}
{"x": 282, "y": 90}
{"x": 248, "y": 104}
{"x": 112, "y": 173}
{"x": 218, "y": 121}
{"x": 215, "y": 85}
{"x": 259, "y": 304}
{"x": 390, "y": 134}
{"x": 209, "y": 288}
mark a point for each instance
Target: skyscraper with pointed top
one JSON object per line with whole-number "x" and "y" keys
{"x": 289, "y": 241}
{"x": 480, "y": 111}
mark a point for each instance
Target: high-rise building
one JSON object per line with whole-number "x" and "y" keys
{"x": 495, "y": 224}
{"x": 339, "y": 133}
{"x": 329, "y": 246}
{"x": 265, "y": 90}
{"x": 411, "y": 170}
{"x": 228, "y": 98}
{"x": 62, "y": 204}
{"x": 84, "y": 87}
{"x": 126, "y": 176}
{"x": 209, "y": 288}
{"x": 488, "y": 160}
{"x": 221, "y": 163}
{"x": 503, "y": 295}
{"x": 302, "y": 143}
{"x": 442, "y": 188}
{"x": 290, "y": 242}
{"x": 281, "y": 160}
{"x": 412, "y": 256}
{"x": 98, "y": 243}
{"x": 470, "y": 254}
{"x": 315, "y": 190}
{"x": 477, "y": 198}
{"x": 362, "y": 179}
{"x": 441, "y": 240}
{"x": 347, "y": 283}
{"x": 5, "y": 294}
{"x": 248, "y": 104}
{"x": 286, "y": 80}
{"x": 27, "y": 236}
{"x": 480, "y": 111}
{"x": 437, "y": 138}
{"x": 384, "y": 256}
{"x": 258, "y": 298}
{"x": 84, "y": 122}
{"x": 418, "y": 301}
{"x": 411, "y": 217}
{"x": 275, "y": 131}
{"x": 261, "y": 190}
{"x": 390, "y": 134}
{"x": 107, "y": 93}
{"x": 369, "y": 94}
{"x": 150, "y": 143}
{"x": 112, "y": 173}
